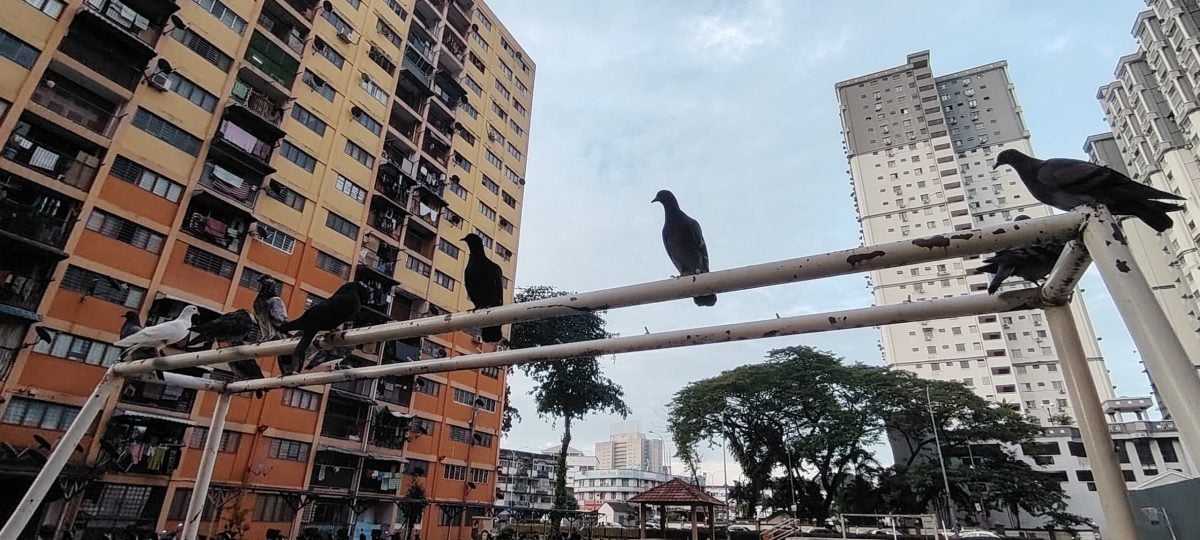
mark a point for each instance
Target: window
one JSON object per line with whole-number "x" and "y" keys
{"x": 512, "y": 150}
{"x": 341, "y": 225}
{"x": 367, "y": 121}
{"x": 524, "y": 90}
{"x": 466, "y": 397}
{"x": 457, "y": 189}
{"x": 471, "y": 111}
{"x": 250, "y": 278}
{"x": 487, "y": 211}
{"x": 460, "y": 434}
{"x": 79, "y": 349}
{"x": 443, "y": 280}
{"x": 520, "y": 108}
{"x": 318, "y": 85}
{"x": 285, "y": 195}
{"x": 287, "y": 450}
{"x": 419, "y": 266}
{"x": 295, "y": 155}
{"x": 494, "y": 135}
{"x": 426, "y": 386}
{"x": 501, "y": 89}
{"x": 336, "y": 21}
{"x": 333, "y": 265}
{"x": 487, "y": 240}
{"x": 359, "y": 154}
{"x": 506, "y": 225}
{"x": 126, "y": 231}
{"x": 53, "y": 8}
{"x": 200, "y": 46}
{"x": 1167, "y": 448}
{"x": 480, "y": 476}
{"x": 373, "y": 89}
{"x": 146, "y": 179}
{"x": 229, "y": 440}
{"x": 486, "y": 403}
{"x": 499, "y": 111}
{"x": 478, "y": 39}
{"x": 388, "y": 32}
{"x": 272, "y": 509}
{"x": 193, "y": 93}
{"x": 512, "y": 124}
{"x": 224, "y": 14}
{"x": 203, "y": 260}
{"x": 166, "y": 131}
{"x": 445, "y": 246}
{"x": 301, "y": 399}
{"x": 491, "y": 185}
{"x": 276, "y": 238}
{"x": 103, "y": 287}
{"x": 513, "y": 176}
{"x": 508, "y": 199}
{"x": 462, "y": 162}
{"x": 355, "y": 191}
{"x": 39, "y": 414}
{"x": 310, "y": 120}
{"x": 474, "y": 86}
{"x": 491, "y": 372}
{"x": 494, "y": 159}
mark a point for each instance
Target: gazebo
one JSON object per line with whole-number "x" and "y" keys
{"x": 676, "y": 493}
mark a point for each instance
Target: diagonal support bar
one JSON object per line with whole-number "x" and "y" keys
{"x": 1067, "y": 272}
{"x": 195, "y": 511}
{"x": 958, "y": 306}
{"x": 1057, "y": 228}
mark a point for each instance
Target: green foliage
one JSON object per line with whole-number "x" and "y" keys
{"x": 511, "y": 414}
{"x": 412, "y": 506}
{"x": 567, "y": 389}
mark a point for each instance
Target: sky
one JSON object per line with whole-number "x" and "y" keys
{"x": 731, "y": 105}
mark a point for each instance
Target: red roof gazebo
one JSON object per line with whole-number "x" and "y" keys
{"x": 676, "y": 493}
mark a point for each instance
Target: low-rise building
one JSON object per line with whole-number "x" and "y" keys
{"x": 525, "y": 480}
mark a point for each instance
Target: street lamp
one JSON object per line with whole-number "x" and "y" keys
{"x": 941, "y": 461}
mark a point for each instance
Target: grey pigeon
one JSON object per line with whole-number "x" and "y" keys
{"x": 233, "y": 328}
{"x": 1068, "y": 183}
{"x": 484, "y": 281}
{"x": 1031, "y": 263}
{"x": 160, "y": 335}
{"x": 684, "y": 242}
{"x": 332, "y": 356}
{"x": 132, "y": 325}
{"x": 325, "y": 315}
{"x": 269, "y": 310}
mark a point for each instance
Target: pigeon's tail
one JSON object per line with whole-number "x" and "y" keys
{"x": 298, "y": 355}
{"x": 1153, "y": 213}
{"x": 706, "y": 300}
{"x": 1003, "y": 272}
{"x": 492, "y": 334}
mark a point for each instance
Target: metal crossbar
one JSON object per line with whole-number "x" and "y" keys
{"x": 1092, "y": 232}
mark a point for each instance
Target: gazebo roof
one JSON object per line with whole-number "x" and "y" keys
{"x": 674, "y": 492}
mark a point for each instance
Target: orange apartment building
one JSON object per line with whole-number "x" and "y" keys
{"x": 159, "y": 153}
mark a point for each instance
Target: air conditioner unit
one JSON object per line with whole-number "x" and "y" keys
{"x": 347, "y": 36}
{"x": 160, "y": 81}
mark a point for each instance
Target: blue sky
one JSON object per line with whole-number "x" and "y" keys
{"x": 731, "y": 105}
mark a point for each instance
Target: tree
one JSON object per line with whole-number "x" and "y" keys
{"x": 511, "y": 415}
{"x": 412, "y": 506}
{"x": 567, "y": 389}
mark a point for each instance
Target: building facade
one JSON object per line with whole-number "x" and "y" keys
{"x": 1152, "y": 109}
{"x": 596, "y": 487}
{"x": 628, "y": 448}
{"x": 577, "y": 462}
{"x": 526, "y": 480}
{"x": 921, "y": 150}
{"x": 160, "y": 153}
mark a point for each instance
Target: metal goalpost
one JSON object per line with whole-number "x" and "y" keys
{"x": 1092, "y": 233}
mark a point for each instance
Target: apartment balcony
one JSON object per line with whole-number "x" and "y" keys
{"x": 421, "y": 241}
{"x": 135, "y": 23}
{"x": 417, "y": 66}
{"x": 305, "y": 10}
{"x": 140, "y": 443}
{"x": 1143, "y": 427}
{"x": 399, "y": 351}
{"x": 389, "y": 430}
{"x": 433, "y": 182}
{"x": 397, "y": 161}
{"x": 111, "y": 59}
{"x": 358, "y": 389}
{"x": 152, "y": 394}
{"x": 395, "y": 390}
{"x": 35, "y": 216}
{"x": 76, "y": 104}
{"x": 279, "y": 65}
{"x": 454, "y": 53}
{"x": 255, "y": 109}
{"x": 386, "y": 217}
{"x": 436, "y": 147}
{"x": 448, "y": 91}
{"x": 432, "y": 350}
{"x": 380, "y": 476}
{"x": 392, "y": 187}
{"x": 244, "y": 147}
{"x": 427, "y": 15}
{"x": 25, "y": 280}
{"x": 216, "y": 222}
{"x": 284, "y": 25}
{"x": 344, "y": 419}
{"x": 335, "y": 468}
{"x": 53, "y": 156}
{"x": 238, "y": 187}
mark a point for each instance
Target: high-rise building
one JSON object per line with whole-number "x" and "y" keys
{"x": 161, "y": 153}
{"x": 629, "y": 448}
{"x": 921, "y": 150}
{"x": 526, "y": 481}
{"x": 1153, "y": 109}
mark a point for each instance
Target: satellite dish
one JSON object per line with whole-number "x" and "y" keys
{"x": 474, "y": 27}
{"x": 178, "y": 22}
{"x": 327, "y": 5}
{"x": 470, "y": 485}
{"x": 44, "y": 334}
{"x": 164, "y": 66}
{"x": 455, "y": 179}
{"x": 356, "y": 111}
{"x": 366, "y": 78}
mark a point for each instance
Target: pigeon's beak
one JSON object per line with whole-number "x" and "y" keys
{"x": 654, "y": 200}
{"x": 997, "y": 165}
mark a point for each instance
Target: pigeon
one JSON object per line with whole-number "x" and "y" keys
{"x": 160, "y": 335}
{"x": 332, "y": 356}
{"x": 269, "y": 309}
{"x": 1032, "y": 263}
{"x": 232, "y": 327}
{"x": 322, "y": 316}
{"x": 684, "y": 242}
{"x": 133, "y": 323}
{"x": 484, "y": 282}
{"x": 1068, "y": 183}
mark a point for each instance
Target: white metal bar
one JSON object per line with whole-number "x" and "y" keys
{"x": 191, "y": 524}
{"x": 958, "y": 306}
{"x": 1063, "y": 279}
{"x": 1166, "y": 360}
{"x": 1057, "y": 228}
{"x": 1093, "y": 427}
{"x": 60, "y": 455}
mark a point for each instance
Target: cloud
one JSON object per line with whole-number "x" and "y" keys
{"x": 731, "y": 36}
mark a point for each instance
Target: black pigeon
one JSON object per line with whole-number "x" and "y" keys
{"x": 684, "y": 242}
{"x": 1031, "y": 263}
{"x": 233, "y": 328}
{"x": 333, "y": 356}
{"x": 323, "y": 316}
{"x": 269, "y": 310}
{"x": 132, "y": 324}
{"x": 1068, "y": 183}
{"x": 484, "y": 282}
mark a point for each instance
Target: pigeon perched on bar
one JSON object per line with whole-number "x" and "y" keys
{"x": 1031, "y": 263}
{"x": 684, "y": 242}
{"x": 1068, "y": 183}
{"x": 232, "y": 328}
{"x": 133, "y": 323}
{"x": 484, "y": 281}
{"x": 269, "y": 310}
{"x": 325, "y": 315}
{"x": 159, "y": 335}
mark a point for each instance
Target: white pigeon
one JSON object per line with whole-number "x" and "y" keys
{"x": 160, "y": 335}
